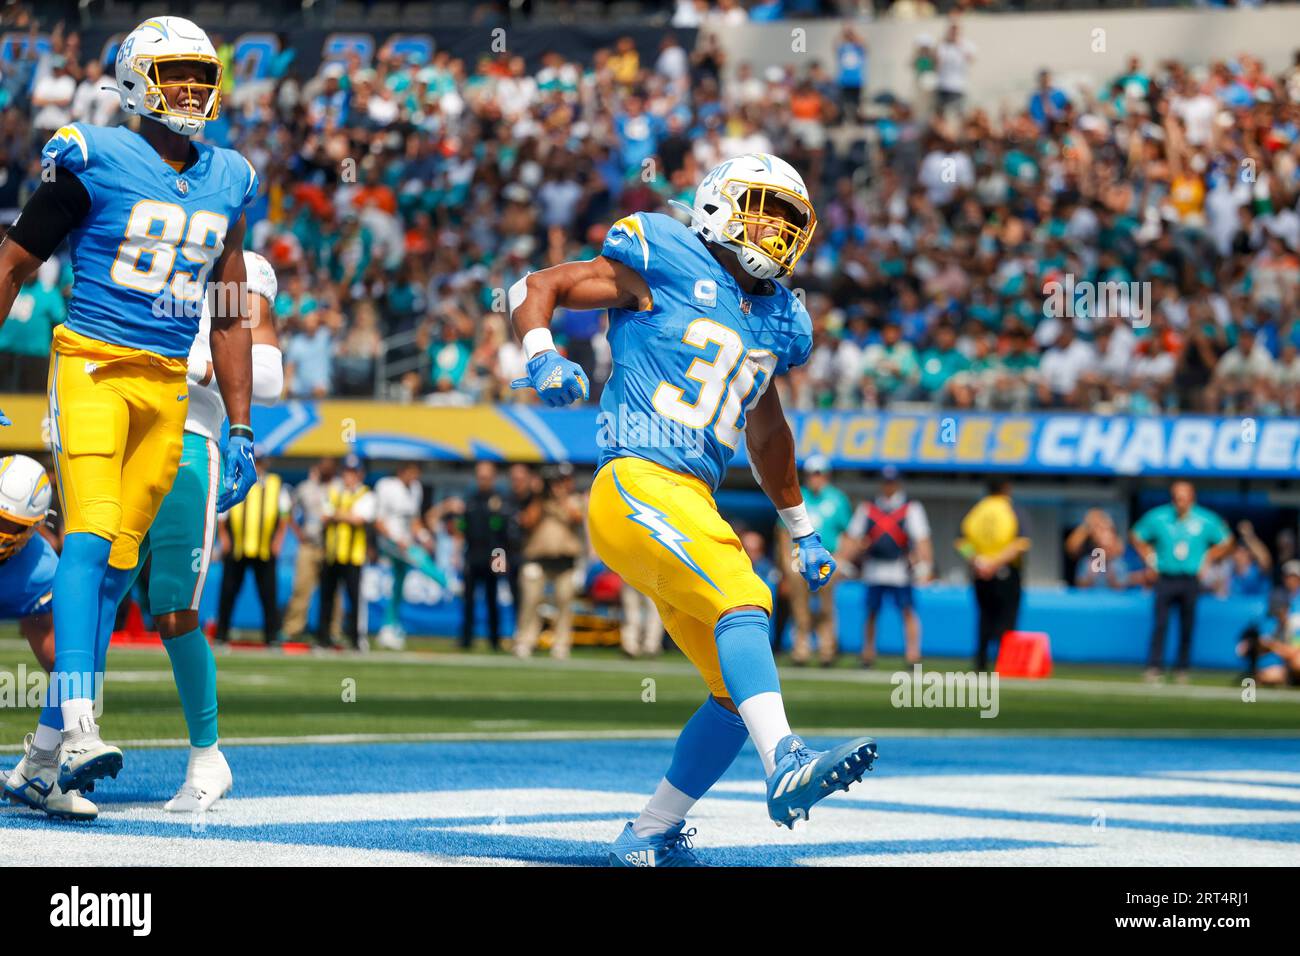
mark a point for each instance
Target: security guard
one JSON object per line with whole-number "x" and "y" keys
{"x": 350, "y": 508}
{"x": 993, "y": 542}
{"x": 251, "y": 534}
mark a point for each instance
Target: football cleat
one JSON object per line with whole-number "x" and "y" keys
{"x": 672, "y": 848}
{"x": 85, "y": 758}
{"x": 34, "y": 783}
{"x": 803, "y": 777}
{"x": 207, "y": 780}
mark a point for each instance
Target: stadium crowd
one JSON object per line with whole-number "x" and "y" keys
{"x": 1130, "y": 248}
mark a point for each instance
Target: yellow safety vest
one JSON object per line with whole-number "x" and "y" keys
{"x": 345, "y": 543}
{"x": 254, "y": 520}
{"x": 991, "y": 526}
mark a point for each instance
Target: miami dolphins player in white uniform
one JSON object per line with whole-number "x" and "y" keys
{"x": 180, "y": 542}
{"x": 186, "y": 526}
{"x": 698, "y": 328}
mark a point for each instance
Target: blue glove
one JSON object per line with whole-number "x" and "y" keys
{"x": 4, "y": 420}
{"x": 238, "y": 472}
{"x": 557, "y": 380}
{"x": 815, "y": 562}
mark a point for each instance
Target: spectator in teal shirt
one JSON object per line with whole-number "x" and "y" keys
{"x": 940, "y": 362}
{"x": 1177, "y": 541}
{"x": 25, "y": 338}
{"x": 830, "y": 513}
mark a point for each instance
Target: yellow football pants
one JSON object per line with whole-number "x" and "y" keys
{"x": 660, "y": 531}
{"x": 117, "y": 424}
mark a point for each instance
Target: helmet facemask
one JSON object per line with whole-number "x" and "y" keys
{"x": 783, "y": 220}
{"x": 156, "y": 103}
{"x": 15, "y": 532}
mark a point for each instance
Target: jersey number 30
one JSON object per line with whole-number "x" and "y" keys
{"x": 156, "y": 233}
{"x": 734, "y": 394}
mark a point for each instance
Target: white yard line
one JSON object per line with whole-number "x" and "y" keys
{"x": 881, "y": 733}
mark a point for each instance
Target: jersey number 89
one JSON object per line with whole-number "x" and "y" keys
{"x": 156, "y": 233}
{"x": 735, "y": 394}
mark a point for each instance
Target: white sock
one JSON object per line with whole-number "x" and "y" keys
{"x": 200, "y": 755}
{"x": 47, "y": 738}
{"x": 764, "y": 717}
{"x": 74, "y": 710}
{"x": 667, "y": 808}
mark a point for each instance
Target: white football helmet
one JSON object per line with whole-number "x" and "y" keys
{"x": 162, "y": 40}
{"x": 762, "y": 191}
{"x": 24, "y": 501}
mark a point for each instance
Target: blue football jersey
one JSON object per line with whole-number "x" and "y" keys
{"x": 142, "y": 256}
{"x": 687, "y": 371}
{"x": 27, "y": 580}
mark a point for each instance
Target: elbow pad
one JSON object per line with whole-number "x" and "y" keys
{"x": 268, "y": 374}
{"x": 516, "y": 294}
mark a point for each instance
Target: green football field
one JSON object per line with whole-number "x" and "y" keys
{"x": 432, "y": 690}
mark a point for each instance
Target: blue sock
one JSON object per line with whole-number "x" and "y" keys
{"x": 51, "y": 715}
{"x": 745, "y": 653}
{"x": 749, "y": 671}
{"x": 195, "y": 670}
{"x": 77, "y": 585}
{"x": 117, "y": 581}
{"x": 707, "y": 746}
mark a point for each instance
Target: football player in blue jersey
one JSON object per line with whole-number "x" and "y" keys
{"x": 27, "y": 567}
{"x": 155, "y": 224}
{"x": 698, "y": 327}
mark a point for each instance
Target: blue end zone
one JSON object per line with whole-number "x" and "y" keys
{"x": 635, "y": 767}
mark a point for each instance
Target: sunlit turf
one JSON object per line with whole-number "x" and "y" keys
{"x": 433, "y": 688}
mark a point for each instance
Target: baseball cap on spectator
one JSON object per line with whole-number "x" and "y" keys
{"x": 352, "y": 462}
{"x": 1291, "y": 569}
{"x": 816, "y": 465}
{"x": 890, "y": 473}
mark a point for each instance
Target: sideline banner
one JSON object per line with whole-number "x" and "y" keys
{"x": 1033, "y": 443}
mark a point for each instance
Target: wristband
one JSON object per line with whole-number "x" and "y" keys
{"x": 796, "y": 520}
{"x": 537, "y": 341}
{"x": 241, "y": 431}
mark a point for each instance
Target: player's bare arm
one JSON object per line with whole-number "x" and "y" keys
{"x": 263, "y": 331}
{"x": 598, "y": 283}
{"x": 231, "y": 338}
{"x": 17, "y": 265}
{"x": 771, "y": 450}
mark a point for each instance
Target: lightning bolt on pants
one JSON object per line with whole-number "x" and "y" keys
{"x": 661, "y": 532}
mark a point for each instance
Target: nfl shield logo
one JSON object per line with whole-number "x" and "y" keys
{"x": 182, "y": 186}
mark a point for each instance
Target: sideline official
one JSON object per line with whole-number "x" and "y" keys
{"x": 1178, "y": 541}
{"x": 995, "y": 537}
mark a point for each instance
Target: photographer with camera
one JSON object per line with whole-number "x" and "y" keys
{"x": 552, "y": 524}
